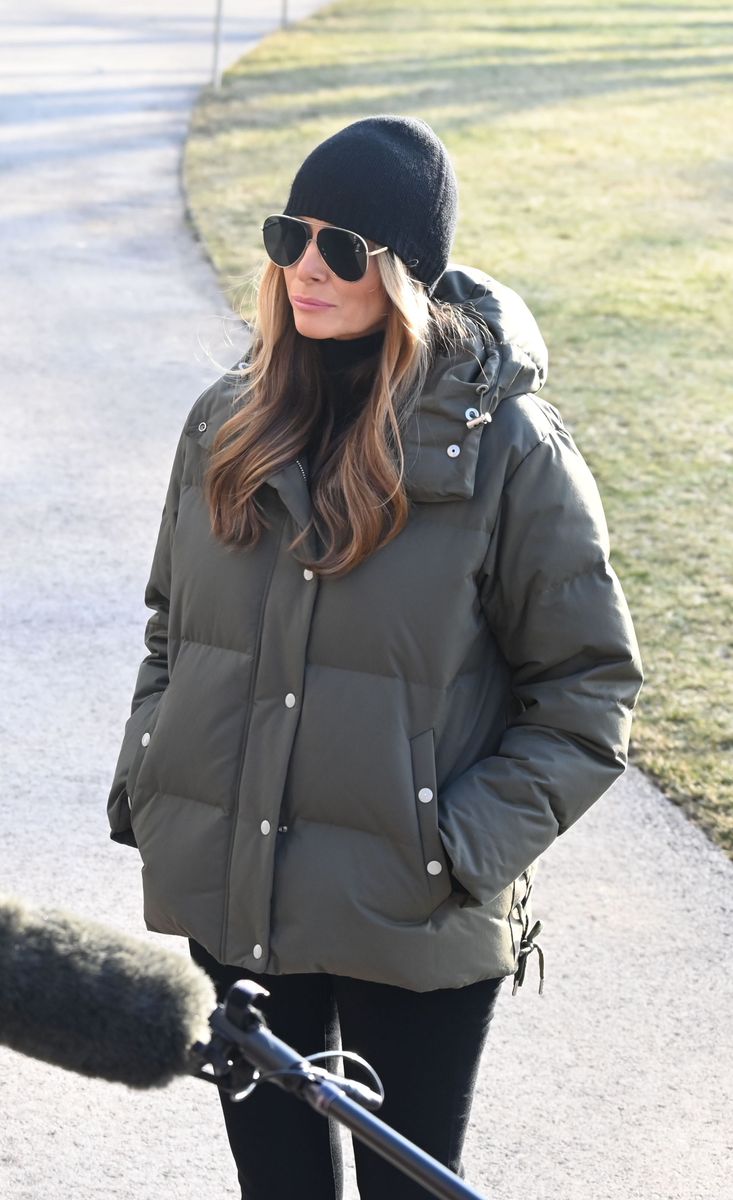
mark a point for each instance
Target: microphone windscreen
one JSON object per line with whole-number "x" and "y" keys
{"x": 93, "y": 1001}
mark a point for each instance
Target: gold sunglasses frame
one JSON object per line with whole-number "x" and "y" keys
{"x": 313, "y": 238}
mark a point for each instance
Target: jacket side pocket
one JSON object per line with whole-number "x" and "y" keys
{"x": 129, "y": 761}
{"x": 425, "y": 793}
{"x": 141, "y": 750}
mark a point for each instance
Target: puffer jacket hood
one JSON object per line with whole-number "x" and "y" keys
{"x": 516, "y": 363}
{"x": 358, "y": 775}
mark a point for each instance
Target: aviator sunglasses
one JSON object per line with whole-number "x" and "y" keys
{"x": 345, "y": 253}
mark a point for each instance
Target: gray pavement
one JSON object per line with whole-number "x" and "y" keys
{"x": 617, "y": 1083}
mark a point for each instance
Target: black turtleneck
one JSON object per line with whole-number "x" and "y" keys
{"x": 347, "y": 387}
{"x": 338, "y": 354}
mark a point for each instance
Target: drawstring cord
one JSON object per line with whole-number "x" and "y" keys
{"x": 526, "y": 946}
{"x": 483, "y": 418}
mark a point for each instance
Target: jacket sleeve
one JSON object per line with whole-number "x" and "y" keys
{"x": 152, "y": 677}
{"x": 561, "y": 621}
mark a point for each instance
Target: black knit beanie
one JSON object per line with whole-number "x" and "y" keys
{"x": 389, "y": 179}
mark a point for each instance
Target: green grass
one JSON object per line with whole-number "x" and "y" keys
{"x": 593, "y": 148}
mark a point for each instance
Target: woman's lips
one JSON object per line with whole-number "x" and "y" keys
{"x": 305, "y": 302}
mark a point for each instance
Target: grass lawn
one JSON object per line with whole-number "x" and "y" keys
{"x": 592, "y": 143}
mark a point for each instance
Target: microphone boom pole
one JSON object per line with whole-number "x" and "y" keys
{"x": 241, "y": 1032}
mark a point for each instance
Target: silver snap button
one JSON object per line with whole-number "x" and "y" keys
{"x": 257, "y": 951}
{"x": 453, "y": 451}
{"x": 472, "y": 413}
{"x": 265, "y": 827}
{"x": 145, "y": 739}
{"x": 425, "y": 794}
{"x": 434, "y": 868}
{"x": 290, "y": 700}
{"x": 307, "y": 574}
{"x": 202, "y": 426}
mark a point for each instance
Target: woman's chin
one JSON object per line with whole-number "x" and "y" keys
{"x": 314, "y": 324}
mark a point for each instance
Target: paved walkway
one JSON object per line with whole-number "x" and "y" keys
{"x": 615, "y": 1085}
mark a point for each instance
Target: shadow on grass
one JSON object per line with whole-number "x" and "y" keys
{"x": 506, "y": 81}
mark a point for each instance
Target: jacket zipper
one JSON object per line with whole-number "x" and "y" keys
{"x": 305, "y": 477}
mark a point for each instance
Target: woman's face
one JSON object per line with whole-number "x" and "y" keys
{"x": 345, "y": 310}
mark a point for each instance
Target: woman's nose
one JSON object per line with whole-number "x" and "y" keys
{"x": 311, "y": 263}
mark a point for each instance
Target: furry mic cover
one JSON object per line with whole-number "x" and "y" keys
{"x": 93, "y": 1001}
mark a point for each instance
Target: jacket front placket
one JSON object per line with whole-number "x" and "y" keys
{"x": 277, "y": 697}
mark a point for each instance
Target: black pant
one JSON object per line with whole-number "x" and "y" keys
{"x": 425, "y": 1047}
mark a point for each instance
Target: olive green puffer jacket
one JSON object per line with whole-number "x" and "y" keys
{"x": 358, "y": 775}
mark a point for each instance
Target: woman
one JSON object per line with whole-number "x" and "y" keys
{"x": 388, "y": 659}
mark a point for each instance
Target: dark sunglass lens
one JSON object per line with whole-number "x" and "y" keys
{"x": 284, "y": 240}
{"x": 344, "y": 253}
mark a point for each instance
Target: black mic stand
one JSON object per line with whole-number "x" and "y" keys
{"x": 243, "y": 1053}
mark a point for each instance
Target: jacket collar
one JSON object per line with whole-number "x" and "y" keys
{"x": 440, "y": 447}
{"x": 506, "y": 357}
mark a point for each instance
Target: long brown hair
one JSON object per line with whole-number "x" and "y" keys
{"x": 357, "y": 492}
